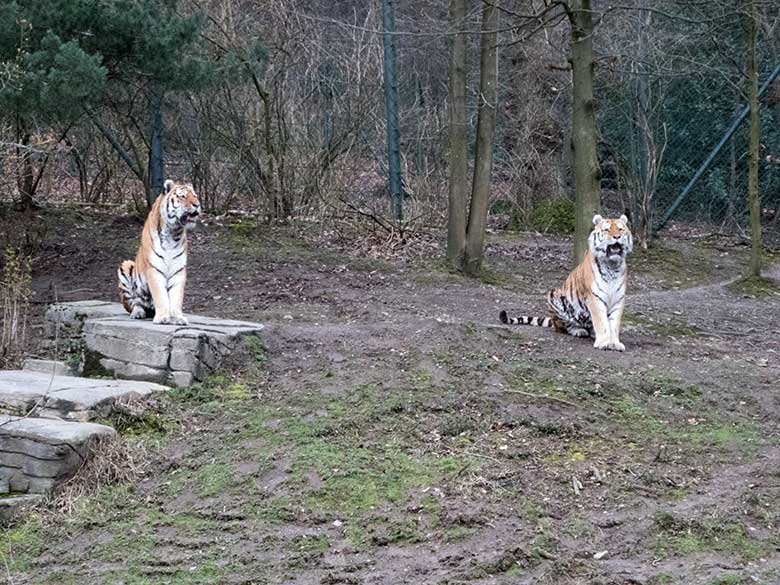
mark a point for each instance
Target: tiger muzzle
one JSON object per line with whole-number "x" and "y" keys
{"x": 190, "y": 217}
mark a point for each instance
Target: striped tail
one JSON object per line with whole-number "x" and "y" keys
{"x": 523, "y": 320}
{"x": 126, "y": 287}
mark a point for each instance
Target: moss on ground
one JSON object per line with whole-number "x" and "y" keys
{"x": 685, "y": 537}
{"x": 755, "y": 287}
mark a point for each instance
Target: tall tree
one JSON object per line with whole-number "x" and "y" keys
{"x": 486, "y": 129}
{"x": 112, "y": 61}
{"x": 754, "y": 197}
{"x": 458, "y": 138}
{"x": 391, "y": 108}
{"x": 587, "y": 173}
{"x": 151, "y": 50}
{"x": 46, "y": 81}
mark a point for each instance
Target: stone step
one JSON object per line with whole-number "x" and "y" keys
{"x": 48, "y": 367}
{"x": 142, "y": 350}
{"x": 66, "y": 320}
{"x": 14, "y": 506}
{"x": 37, "y": 454}
{"x": 78, "y": 399}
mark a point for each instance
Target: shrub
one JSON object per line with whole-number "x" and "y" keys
{"x": 554, "y": 216}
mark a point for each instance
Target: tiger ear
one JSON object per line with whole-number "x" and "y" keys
{"x": 167, "y": 185}
{"x": 624, "y": 219}
{"x": 597, "y": 219}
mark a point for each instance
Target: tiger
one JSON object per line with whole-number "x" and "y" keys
{"x": 590, "y": 302}
{"x": 153, "y": 284}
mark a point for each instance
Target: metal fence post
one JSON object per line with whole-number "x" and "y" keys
{"x": 391, "y": 104}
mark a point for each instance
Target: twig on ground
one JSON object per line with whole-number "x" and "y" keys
{"x": 480, "y": 455}
{"x": 541, "y": 396}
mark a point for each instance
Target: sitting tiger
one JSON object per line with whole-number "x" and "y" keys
{"x": 153, "y": 285}
{"x": 590, "y": 302}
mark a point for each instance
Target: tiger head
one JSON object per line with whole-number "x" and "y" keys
{"x": 181, "y": 205}
{"x": 610, "y": 239}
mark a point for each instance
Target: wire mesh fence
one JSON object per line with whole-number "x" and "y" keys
{"x": 675, "y": 145}
{"x": 310, "y": 140}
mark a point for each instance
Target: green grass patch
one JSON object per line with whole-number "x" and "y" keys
{"x": 755, "y": 287}
{"x": 732, "y": 580}
{"x": 438, "y": 272}
{"x": 359, "y": 479}
{"x": 341, "y": 464}
{"x": 666, "y": 386}
{"x": 696, "y": 433}
{"x": 256, "y": 348}
{"x": 671, "y": 327}
{"x": 215, "y": 478}
{"x": 311, "y": 544}
{"x": 219, "y": 389}
{"x": 674, "y": 267}
{"x": 679, "y": 537}
{"x": 22, "y": 544}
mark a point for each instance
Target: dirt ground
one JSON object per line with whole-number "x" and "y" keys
{"x": 391, "y": 431}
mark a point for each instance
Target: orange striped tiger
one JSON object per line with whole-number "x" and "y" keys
{"x": 153, "y": 285}
{"x": 590, "y": 302}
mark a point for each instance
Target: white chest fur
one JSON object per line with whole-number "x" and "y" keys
{"x": 169, "y": 254}
{"x": 609, "y": 284}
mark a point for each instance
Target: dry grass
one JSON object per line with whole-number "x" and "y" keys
{"x": 113, "y": 460}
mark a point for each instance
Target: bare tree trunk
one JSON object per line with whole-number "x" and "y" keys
{"x": 486, "y": 129}
{"x": 391, "y": 105}
{"x": 458, "y": 197}
{"x": 156, "y": 156}
{"x": 587, "y": 174}
{"x": 754, "y": 197}
{"x": 25, "y": 174}
{"x": 647, "y": 167}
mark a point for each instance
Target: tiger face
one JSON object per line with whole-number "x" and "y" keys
{"x": 610, "y": 239}
{"x": 182, "y": 207}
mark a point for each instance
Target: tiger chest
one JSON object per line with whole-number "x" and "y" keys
{"x": 169, "y": 256}
{"x": 609, "y": 291}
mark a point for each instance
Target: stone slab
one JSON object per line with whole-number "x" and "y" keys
{"x": 65, "y": 320}
{"x": 14, "y": 506}
{"x": 48, "y": 367}
{"x": 66, "y": 397}
{"x": 138, "y": 349}
{"x": 36, "y": 454}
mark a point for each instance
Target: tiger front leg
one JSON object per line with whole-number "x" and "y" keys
{"x": 613, "y": 319}
{"x": 176, "y": 296}
{"x": 159, "y": 290}
{"x": 598, "y": 314}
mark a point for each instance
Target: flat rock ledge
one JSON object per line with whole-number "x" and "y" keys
{"x": 37, "y": 454}
{"x": 24, "y": 393}
{"x": 132, "y": 349}
{"x": 14, "y": 506}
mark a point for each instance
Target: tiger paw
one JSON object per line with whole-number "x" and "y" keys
{"x": 138, "y": 313}
{"x": 162, "y": 320}
{"x": 182, "y": 320}
{"x": 617, "y": 346}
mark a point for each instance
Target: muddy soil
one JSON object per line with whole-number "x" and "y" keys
{"x": 392, "y": 431}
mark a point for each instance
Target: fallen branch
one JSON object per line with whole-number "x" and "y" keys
{"x": 541, "y": 397}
